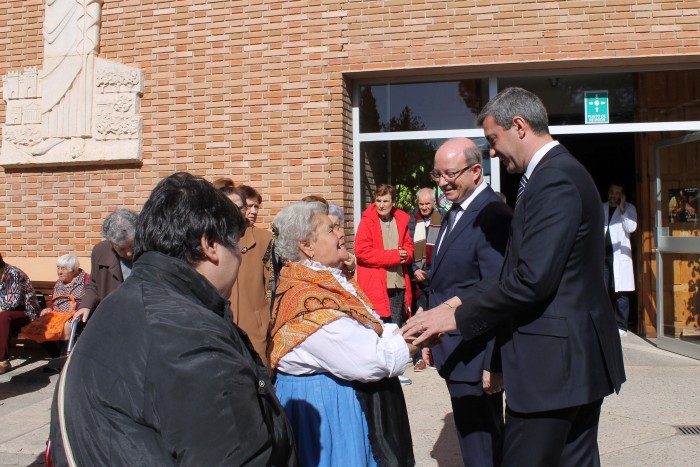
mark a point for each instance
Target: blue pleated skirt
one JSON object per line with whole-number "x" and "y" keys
{"x": 328, "y": 423}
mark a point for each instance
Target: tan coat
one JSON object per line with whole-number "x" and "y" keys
{"x": 249, "y": 301}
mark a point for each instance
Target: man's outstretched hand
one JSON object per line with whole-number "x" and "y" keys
{"x": 428, "y": 327}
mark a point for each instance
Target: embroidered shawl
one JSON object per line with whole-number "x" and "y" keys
{"x": 306, "y": 300}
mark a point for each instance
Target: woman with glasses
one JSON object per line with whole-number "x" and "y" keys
{"x": 250, "y": 301}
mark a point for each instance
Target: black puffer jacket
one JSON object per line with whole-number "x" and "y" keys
{"x": 161, "y": 376}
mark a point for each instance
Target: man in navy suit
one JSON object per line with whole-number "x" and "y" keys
{"x": 470, "y": 247}
{"x": 561, "y": 350}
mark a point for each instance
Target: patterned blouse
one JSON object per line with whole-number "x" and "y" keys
{"x": 17, "y": 293}
{"x": 76, "y": 288}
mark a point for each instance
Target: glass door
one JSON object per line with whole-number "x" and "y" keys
{"x": 677, "y": 232}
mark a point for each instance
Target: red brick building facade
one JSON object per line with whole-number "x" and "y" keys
{"x": 263, "y": 91}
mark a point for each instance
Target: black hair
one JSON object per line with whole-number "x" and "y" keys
{"x": 180, "y": 210}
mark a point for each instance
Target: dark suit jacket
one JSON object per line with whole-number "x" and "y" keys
{"x": 105, "y": 275}
{"x": 472, "y": 251}
{"x": 562, "y": 347}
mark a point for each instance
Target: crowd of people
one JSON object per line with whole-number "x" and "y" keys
{"x": 211, "y": 341}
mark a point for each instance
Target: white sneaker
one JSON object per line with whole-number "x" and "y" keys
{"x": 622, "y": 333}
{"x": 405, "y": 381}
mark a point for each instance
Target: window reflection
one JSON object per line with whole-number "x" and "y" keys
{"x": 563, "y": 95}
{"x": 442, "y": 105}
{"x": 404, "y": 164}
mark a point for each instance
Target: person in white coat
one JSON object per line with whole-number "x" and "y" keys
{"x": 620, "y": 222}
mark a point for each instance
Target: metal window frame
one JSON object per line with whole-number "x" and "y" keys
{"x": 669, "y": 244}
{"x": 359, "y": 138}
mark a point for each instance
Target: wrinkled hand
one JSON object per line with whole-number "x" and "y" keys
{"x": 431, "y": 325}
{"x": 492, "y": 382}
{"x": 350, "y": 262}
{"x": 82, "y": 313}
{"x": 420, "y": 275}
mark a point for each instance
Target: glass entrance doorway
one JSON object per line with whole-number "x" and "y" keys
{"x": 677, "y": 233}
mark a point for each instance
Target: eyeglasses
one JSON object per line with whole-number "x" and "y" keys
{"x": 449, "y": 175}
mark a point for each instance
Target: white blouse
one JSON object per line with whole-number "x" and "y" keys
{"x": 347, "y": 349}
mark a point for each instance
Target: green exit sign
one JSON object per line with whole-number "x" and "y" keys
{"x": 597, "y": 107}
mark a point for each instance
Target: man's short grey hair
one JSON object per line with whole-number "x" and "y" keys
{"x": 427, "y": 190}
{"x": 119, "y": 227}
{"x": 337, "y": 211}
{"x": 296, "y": 222}
{"x": 70, "y": 262}
{"x": 516, "y": 102}
{"x": 473, "y": 155}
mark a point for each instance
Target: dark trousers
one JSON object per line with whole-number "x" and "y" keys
{"x": 397, "y": 297}
{"x": 479, "y": 422}
{"x": 564, "y": 437}
{"x": 9, "y": 320}
{"x": 620, "y": 300}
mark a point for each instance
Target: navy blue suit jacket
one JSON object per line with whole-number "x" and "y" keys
{"x": 562, "y": 347}
{"x": 473, "y": 250}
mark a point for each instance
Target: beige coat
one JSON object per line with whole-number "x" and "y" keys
{"x": 249, "y": 301}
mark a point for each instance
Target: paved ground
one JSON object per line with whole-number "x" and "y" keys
{"x": 637, "y": 427}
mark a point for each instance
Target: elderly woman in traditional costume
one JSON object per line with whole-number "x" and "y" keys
{"x": 336, "y": 363}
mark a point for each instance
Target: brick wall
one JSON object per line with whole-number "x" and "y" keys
{"x": 261, "y": 92}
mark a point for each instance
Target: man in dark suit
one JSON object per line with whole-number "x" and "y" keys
{"x": 470, "y": 247}
{"x": 110, "y": 260}
{"x": 561, "y": 352}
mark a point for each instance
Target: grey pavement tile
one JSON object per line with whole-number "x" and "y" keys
{"x": 676, "y": 451}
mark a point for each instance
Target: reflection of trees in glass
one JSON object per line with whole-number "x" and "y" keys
{"x": 411, "y": 160}
{"x": 369, "y": 115}
{"x": 404, "y": 164}
{"x": 470, "y": 91}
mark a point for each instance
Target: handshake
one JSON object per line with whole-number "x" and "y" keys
{"x": 427, "y": 328}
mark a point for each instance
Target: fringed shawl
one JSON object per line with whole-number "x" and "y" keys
{"x": 306, "y": 300}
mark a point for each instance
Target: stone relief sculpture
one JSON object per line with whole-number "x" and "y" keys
{"x": 79, "y": 108}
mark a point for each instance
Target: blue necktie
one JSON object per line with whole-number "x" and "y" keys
{"x": 452, "y": 217}
{"x": 521, "y": 189}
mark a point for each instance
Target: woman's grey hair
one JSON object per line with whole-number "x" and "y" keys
{"x": 337, "y": 211}
{"x": 69, "y": 262}
{"x": 294, "y": 223}
{"x": 119, "y": 227}
{"x": 516, "y": 102}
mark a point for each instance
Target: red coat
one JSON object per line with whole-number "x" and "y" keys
{"x": 372, "y": 258}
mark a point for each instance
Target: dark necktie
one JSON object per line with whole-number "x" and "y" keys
{"x": 452, "y": 216}
{"x": 521, "y": 188}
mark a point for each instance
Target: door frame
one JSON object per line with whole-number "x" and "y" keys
{"x": 665, "y": 243}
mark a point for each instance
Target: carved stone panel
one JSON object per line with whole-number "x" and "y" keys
{"x": 79, "y": 108}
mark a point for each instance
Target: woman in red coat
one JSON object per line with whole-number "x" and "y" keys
{"x": 384, "y": 249}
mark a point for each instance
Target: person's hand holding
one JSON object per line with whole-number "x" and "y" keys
{"x": 431, "y": 325}
{"x": 403, "y": 254}
{"x": 44, "y": 311}
{"x": 492, "y": 382}
{"x": 82, "y": 313}
{"x": 420, "y": 275}
{"x": 622, "y": 203}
